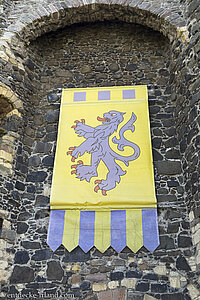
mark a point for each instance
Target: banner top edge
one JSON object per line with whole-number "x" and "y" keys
{"x": 105, "y": 88}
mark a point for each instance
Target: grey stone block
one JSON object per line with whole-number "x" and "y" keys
{"x": 168, "y": 167}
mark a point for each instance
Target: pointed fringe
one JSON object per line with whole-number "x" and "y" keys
{"x": 102, "y": 229}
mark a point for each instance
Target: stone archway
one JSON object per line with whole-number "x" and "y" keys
{"x": 25, "y": 27}
{"x": 110, "y": 54}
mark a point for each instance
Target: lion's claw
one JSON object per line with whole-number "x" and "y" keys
{"x": 79, "y": 163}
{"x": 97, "y": 181}
{"x": 73, "y": 172}
{"x": 74, "y": 126}
{"x": 74, "y": 166}
{"x": 96, "y": 189}
{"x": 70, "y": 153}
{"x": 81, "y": 121}
{"x": 104, "y": 192}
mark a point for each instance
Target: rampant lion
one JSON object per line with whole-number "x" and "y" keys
{"x": 97, "y": 144}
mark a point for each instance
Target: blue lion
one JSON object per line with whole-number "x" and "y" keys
{"x": 97, "y": 144}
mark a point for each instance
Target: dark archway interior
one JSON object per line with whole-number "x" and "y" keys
{"x": 84, "y": 55}
{"x": 5, "y": 107}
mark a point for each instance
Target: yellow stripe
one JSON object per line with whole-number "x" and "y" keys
{"x": 102, "y": 230}
{"x": 71, "y": 229}
{"x": 134, "y": 232}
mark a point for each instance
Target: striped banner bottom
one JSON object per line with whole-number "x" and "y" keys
{"x": 102, "y": 229}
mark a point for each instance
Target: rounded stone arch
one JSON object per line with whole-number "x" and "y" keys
{"x": 10, "y": 105}
{"x": 55, "y": 15}
{"x": 40, "y": 19}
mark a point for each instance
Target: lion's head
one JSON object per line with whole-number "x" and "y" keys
{"x": 111, "y": 117}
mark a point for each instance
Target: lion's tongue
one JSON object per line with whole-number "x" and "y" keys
{"x": 101, "y": 119}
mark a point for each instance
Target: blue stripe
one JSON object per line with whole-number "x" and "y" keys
{"x": 118, "y": 229}
{"x": 86, "y": 233}
{"x": 56, "y": 228}
{"x": 150, "y": 229}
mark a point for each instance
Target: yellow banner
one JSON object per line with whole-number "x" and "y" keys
{"x": 103, "y": 156}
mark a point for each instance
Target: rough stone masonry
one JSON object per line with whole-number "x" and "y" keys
{"x": 49, "y": 45}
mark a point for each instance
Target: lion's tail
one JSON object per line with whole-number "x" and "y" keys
{"x": 123, "y": 142}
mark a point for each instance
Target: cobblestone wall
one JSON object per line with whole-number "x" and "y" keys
{"x": 102, "y": 54}
{"x": 189, "y": 122}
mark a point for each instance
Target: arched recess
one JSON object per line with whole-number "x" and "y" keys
{"x": 40, "y": 19}
{"x": 10, "y": 109}
{"x": 50, "y": 17}
{"x": 5, "y": 107}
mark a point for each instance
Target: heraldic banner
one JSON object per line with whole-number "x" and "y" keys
{"x": 103, "y": 191}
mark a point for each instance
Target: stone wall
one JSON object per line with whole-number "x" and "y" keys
{"x": 74, "y": 57}
{"x": 189, "y": 122}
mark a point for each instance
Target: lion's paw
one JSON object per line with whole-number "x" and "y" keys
{"x": 98, "y": 187}
{"x": 75, "y": 167}
{"x": 77, "y": 121}
{"x": 85, "y": 172}
{"x": 71, "y": 152}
